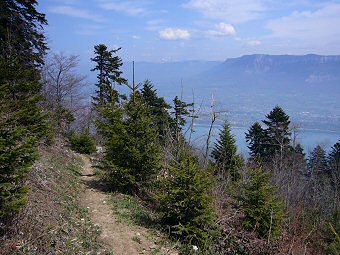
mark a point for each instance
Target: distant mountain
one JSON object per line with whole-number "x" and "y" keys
{"x": 279, "y": 68}
{"x": 307, "y": 86}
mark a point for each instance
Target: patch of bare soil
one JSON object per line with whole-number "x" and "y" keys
{"x": 122, "y": 239}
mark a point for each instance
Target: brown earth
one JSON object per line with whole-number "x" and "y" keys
{"x": 118, "y": 237}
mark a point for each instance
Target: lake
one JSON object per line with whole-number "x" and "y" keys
{"x": 309, "y": 139}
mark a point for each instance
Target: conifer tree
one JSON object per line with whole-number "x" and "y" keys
{"x": 334, "y": 159}
{"x": 133, "y": 156}
{"x": 158, "y": 108}
{"x": 317, "y": 161}
{"x": 262, "y": 208}
{"x": 277, "y": 131}
{"x": 185, "y": 204}
{"x": 109, "y": 113}
{"x": 225, "y": 153}
{"x": 257, "y": 140}
{"x": 109, "y": 74}
{"x": 180, "y": 112}
{"x": 22, "y": 123}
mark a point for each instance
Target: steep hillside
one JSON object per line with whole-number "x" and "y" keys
{"x": 53, "y": 222}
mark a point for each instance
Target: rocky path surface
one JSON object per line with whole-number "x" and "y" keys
{"x": 119, "y": 238}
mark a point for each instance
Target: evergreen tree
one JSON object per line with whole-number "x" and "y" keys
{"x": 225, "y": 153}
{"x": 133, "y": 156}
{"x": 299, "y": 150}
{"x": 185, "y": 205}
{"x": 109, "y": 114}
{"x": 261, "y": 206}
{"x": 158, "y": 108}
{"x": 277, "y": 131}
{"x": 257, "y": 140}
{"x": 334, "y": 159}
{"x": 22, "y": 124}
{"x": 334, "y": 172}
{"x": 317, "y": 161}
{"x": 108, "y": 75}
{"x": 180, "y": 113}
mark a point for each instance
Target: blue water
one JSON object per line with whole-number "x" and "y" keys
{"x": 309, "y": 139}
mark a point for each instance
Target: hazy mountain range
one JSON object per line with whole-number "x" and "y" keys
{"x": 248, "y": 87}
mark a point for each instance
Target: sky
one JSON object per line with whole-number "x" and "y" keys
{"x": 174, "y": 30}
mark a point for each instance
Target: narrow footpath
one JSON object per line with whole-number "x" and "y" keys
{"x": 119, "y": 238}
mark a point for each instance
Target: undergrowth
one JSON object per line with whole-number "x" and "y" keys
{"x": 52, "y": 222}
{"x": 129, "y": 210}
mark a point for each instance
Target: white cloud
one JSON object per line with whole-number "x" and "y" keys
{"x": 321, "y": 25}
{"x": 233, "y": 11}
{"x": 75, "y": 12}
{"x": 254, "y": 42}
{"x": 154, "y": 25}
{"x": 174, "y": 34}
{"x": 136, "y": 37}
{"x": 132, "y": 8}
{"x": 222, "y": 29}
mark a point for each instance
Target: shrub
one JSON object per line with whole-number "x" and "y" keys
{"x": 82, "y": 143}
{"x": 185, "y": 204}
{"x": 263, "y": 210}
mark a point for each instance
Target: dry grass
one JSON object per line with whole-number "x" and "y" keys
{"x": 53, "y": 222}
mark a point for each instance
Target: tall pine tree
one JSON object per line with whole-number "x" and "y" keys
{"x": 225, "y": 153}
{"x": 277, "y": 132}
{"x": 158, "y": 108}
{"x": 22, "y": 124}
{"x": 257, "y": 140}
{"x": 108, "y": 67}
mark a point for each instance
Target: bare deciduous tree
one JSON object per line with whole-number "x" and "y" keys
{"x": 62, "y": 88}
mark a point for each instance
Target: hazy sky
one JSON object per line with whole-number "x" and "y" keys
{"x": 170, "y": 30}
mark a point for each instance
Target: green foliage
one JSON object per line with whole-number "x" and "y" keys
{"x": 22, "y": 123}
{"x": 186, "y": 205}
{"x": 263, "y": 210}
{"x": 277, "y": 132}
{"x": 334, "y": 165}
{"x": 257, "y": 139}
{"x": 82, "y": 143}
{"x": 317, "y": 161}
{"x": 334, "y": 246}
{"x": 108, "y": 75}
{"x": 264, "y": 143}
{"x": 180, "y": 112}
{"x": 133, "y": 156}
{"x": 158, "y": 108}
{"x": 225, "y": 153}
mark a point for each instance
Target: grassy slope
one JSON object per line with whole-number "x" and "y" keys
{"x": 53, "y": 222}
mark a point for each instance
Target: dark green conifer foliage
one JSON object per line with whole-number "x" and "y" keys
{"x": 334, "y": 159}
{"x": 107, "y": 65}
{"x": 225, "y": 153}
{"x": 317, "y": 161}
{"x": 299, "y": 150}
{"x": 257, "y": 140}
{"x": 132, "y": 146}
{"x": 158, "y": 108}
{"x": 180, "y": 112}
{"x": 186, "y": 206}
{"x": 263, "y": 210}
{"x": 277, "y": 131}
{"x": 82, "y": 143}
{"x": 22, "y": 124}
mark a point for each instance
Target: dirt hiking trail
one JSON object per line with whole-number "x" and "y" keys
{"x": 118, "y": 238}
